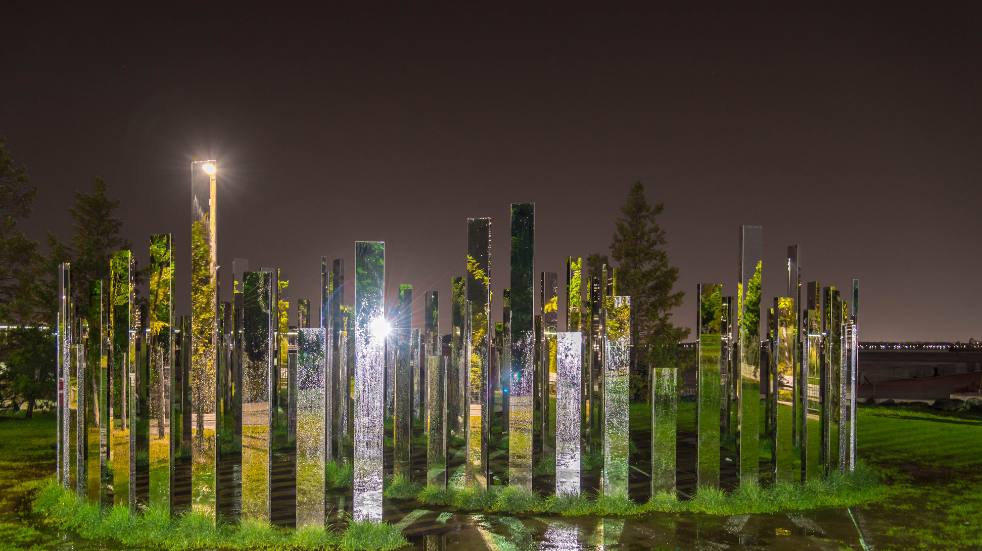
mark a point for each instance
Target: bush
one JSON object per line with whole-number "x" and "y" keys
{"x": 950, "y": 404}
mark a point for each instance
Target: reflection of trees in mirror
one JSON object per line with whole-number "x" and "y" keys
{"x": 711, "y": 308}
{"x": 750, "y": 306}
{"x": 203, "y": 311}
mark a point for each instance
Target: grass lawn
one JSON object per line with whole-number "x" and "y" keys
{"x": 932, "y": 463}
{"x": 921, "y": 488}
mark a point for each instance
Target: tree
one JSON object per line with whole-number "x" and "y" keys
{"x": 27, "y": 371}
{"x": 18, "y": 255}
{"x": 594, "y": 264}
{"x": 27, "y": 349}
{"x": 645, "y": 274}
{"x": 97, "y": 236}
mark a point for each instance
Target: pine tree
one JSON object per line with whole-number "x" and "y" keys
{"x": 97, "y": 236}
{"x": 645, "y": 274}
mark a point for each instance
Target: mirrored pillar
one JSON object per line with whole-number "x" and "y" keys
{"x": 228, "y": 412}
{"x": 436, "y": 417}
{"x": 569, "y": 373}
{"x": 64, "y": 366}
{"x": 457, "y": 370}
{"x": 81, "y": 408}
{"x": 121, "y": 299}
{"x": 283, "y": 409}
{"x": 258, "y": 349}
{"x": 750, "y": 410}
{"x": 204, "y": 321}
{"x": 403, "y": 382}
{"x": 160, "y": 323}
{"x": 811, "y": 373}
{"x": 794, "y": 293}
{"x": 788, "y": 457}
{"x": 549, "y": 288}
{"x": 180, "y": 428}
{"x": 521, "y": 397}
{"x": 95, "y": 417}
{"x": 340, "y": 389}
{"x": 369, "y": 336}
{"x": 851, "y": 375}
{"x": 140, "y": 418}
{"x": 831, "y": 372}
{"x": 711, "y": 315}
{"x": 617, "y": 361}
{"x": 479, "y": 333}
{"x": 311, "y": 425}
{"x": 664, "y": 418}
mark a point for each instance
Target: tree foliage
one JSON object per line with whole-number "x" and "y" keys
{"x": 594, "y": 265}
{"x": 29, "y": 281}
{"x": 27, "y": 351}
{"x": 19, "y": 257}
{"x": 645, "y": 274}
{"x": 97, "y": 235}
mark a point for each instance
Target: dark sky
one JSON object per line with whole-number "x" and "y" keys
{"x": 853, "y": 131}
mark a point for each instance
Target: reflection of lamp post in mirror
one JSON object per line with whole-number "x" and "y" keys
{"x": 204, "y": 318}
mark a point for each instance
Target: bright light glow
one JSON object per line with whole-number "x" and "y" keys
{"x": 380, "y": 328}
{"x": 209, "y": 168}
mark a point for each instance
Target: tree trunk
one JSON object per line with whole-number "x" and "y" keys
{"x": 30, "y": 408}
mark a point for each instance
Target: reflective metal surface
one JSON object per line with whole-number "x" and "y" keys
{"x": 617, "y": 360}
{"x": 369, "y": 344}
{"x": 478, "y": 337}
{"x": 709, "y": 385}
{"x": 521, "y": 396}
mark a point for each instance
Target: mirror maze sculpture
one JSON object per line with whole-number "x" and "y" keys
{"x": 234, "y": 412}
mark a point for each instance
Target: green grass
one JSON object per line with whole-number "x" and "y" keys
{"x": 400, "y": 487}
{"x": 370, "y": 535}
{"x": 933, "y": 463}
{"x": 339, "y": 474}
{"x": 839, "y": 490}
{"x": 155, "y": 529}
{"x": 917, "y": 464}
{"x": 515, "y": 500}
{"x": 27, "y": 456}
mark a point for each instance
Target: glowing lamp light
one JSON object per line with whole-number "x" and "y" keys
{"x": 209, "y": 168}
{"x": 380, "y": 328}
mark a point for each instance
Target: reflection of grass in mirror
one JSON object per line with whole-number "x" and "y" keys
{"x": 159, "y": 470}
{"x": 839, "y": 490}
{"x": 310, "y": 485}
{"x": 547, "y": 466}
{"x": 339, "y": 474}
{"x": 203, "y": 471}
{"x": 160, "y": 484}
{"x": 435, "y": 471}
{"x": 63, "y": 510}
{"x": 400, "y": 487}
{"x": 120, "y": 463}
{"x": 255, "y": 472}
{"x": 310, "y": 434}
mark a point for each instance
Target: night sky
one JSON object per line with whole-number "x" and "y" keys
{"x": 857, "y": 134}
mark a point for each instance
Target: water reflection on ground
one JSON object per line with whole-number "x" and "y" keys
{"x": 830, "y": 529}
